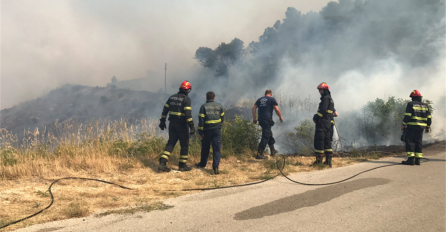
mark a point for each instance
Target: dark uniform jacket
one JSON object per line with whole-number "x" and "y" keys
{"x": 325, "y": 111}
{"x": 417, "y": 115}
{"x": 210, "y": 117}
{"x": 178, "y": 106}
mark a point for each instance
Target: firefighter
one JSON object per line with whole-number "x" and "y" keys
{"x": 210, "y": 119}
{"x": 178, "y": 106}
{"x": 416, "y": 119}
{"x": 324, "y": 126}
{"x": 266, "y": 105}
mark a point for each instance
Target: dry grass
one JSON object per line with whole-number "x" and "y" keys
{"x": 115, "y": 152}
{"x": 76, "y": 198}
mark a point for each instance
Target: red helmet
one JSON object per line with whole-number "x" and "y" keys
{"x": 415, "y": 93}
{"x": 323, "y": 85}
{"x": 185, "y": 85}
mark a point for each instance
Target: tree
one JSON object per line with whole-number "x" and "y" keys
{"x": 114, "y": 80}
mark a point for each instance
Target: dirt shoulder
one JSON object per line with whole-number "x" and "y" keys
{"x": 75, "y": 198}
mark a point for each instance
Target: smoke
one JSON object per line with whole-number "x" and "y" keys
{"x": 49, "y": 43}
{"x": 363, "y": 49}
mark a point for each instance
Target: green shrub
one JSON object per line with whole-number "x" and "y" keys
{"x": 302, "y": 139}
{"x": 239, "y": 135}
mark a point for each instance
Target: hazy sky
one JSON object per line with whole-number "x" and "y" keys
{"x": 48, "y": 43}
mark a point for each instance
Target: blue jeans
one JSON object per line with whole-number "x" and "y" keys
{"x": 214, "y": 137}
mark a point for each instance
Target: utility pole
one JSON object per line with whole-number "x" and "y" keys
{"x": 165, "y": 77}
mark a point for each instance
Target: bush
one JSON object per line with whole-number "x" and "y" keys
{"x": 302, "y": 139}
{"x": 239, "y": 135}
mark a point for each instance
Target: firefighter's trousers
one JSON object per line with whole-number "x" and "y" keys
{"x": 414, "y": 141}
{"x": 177, "y": 131}
{"x": 211, "y": 137}
{"x": 267, "y": 134}
{"x": 322, "y": 138}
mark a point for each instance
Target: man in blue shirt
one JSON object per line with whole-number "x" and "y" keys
{"x": 266, "y": 105}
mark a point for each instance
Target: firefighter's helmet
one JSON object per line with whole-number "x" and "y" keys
{"x": 186, "y": 85}
{"x": 415, "y": 93}
{"x": 323, "y": 85}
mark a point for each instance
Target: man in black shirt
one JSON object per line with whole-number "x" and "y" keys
{"x": 266, "y": 105}
{"x": 178, "y": 106}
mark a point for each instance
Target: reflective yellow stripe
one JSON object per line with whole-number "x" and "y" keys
{"x": 332, "y": 121}
{"x": 328, "y": 150}
{"x": 329, "y": 111}
{"x": 183, "y": 161}
{"x": 404, "y": 123}
{"x": 408, "y": 114}
{"x": 176, "y": 113}
{"x": 416, "y": 124}
{"x": 201, "y": 115}
{"x": 187, "y": 108}
{"x": 200, "y": 128}
{"x": 319, "y": 151}
{"x": 429, "y": 116}
{"x": 163, "y": 116}
{"x": 183, "y": 156}
{"x": 165, "y": 157}
{"x": 420, "y": 108}
{"x": 320, "y": 115}
{"x": 166, "y": 105}
{"x": 212, "y": 121}
{"x": 222, "y": 114}
{"x": 418, "y": 155}
{"x": 410, "y": 154}
{"x": 419, "y": 118}
{"x": 189, "y": 119}
{"x": 166, "y": 153}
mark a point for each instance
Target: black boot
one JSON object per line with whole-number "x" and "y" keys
{"x": 216, "y": 172}
{"x": 273, "y": 151}
{"x": 163, "y": 167}
{"x": 329, "y": 160}
{"x": 260, "y": 154}
{"x": 326, "y": 159}
{"x": 182, "y": 167}
{"x": 318, "y": 159}
{"x": 409, "y": 161}
{"x": 417, "y": 161}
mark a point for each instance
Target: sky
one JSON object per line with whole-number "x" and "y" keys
{"x": 46, "y": 44}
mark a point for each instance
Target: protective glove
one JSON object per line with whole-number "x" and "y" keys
{"x": 162, "y": 124}
{"x": 192, "y": 130}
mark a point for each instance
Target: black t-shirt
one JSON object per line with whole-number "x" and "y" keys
{"x": 266, "y": 105}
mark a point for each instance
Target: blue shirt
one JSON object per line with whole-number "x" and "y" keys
{"x": 266, "y": 105}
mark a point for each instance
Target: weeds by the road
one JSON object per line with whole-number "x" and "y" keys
{"x": 127, "y": 156}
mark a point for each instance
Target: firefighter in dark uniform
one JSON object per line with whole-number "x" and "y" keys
{"x": 178, "y": 106}
{"x": 416, "y": 119}
{"x": 324, "y": 126}
{"x": 210, "y": 119}
{"x": 266, "y": 104}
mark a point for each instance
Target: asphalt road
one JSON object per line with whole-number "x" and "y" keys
{"x": 397, "y": 198}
